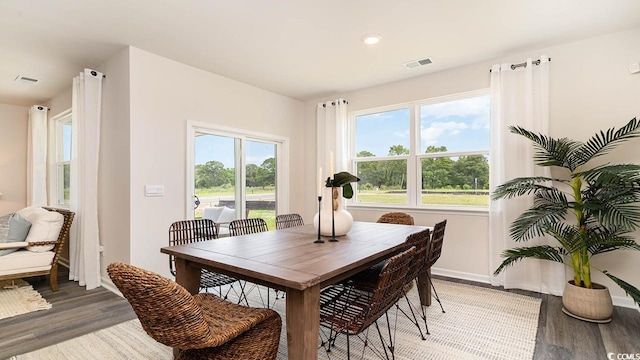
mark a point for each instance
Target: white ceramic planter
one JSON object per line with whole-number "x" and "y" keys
{"x": 342, "y": 218}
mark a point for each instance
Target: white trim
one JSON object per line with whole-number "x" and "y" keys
{"x": 622, "y": 301}
{"x": 281, "y": 153}
{"x": 485, "y": 279}
{"x": 54, "y": 139}
{"x": 107, "y": 284}
{"x": 453, "y": 210}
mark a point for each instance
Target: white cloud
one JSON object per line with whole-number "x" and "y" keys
{"x": 477, "y": 107}
{"x": 436, "y": 129}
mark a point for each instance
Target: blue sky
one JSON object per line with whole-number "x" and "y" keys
{"x": 221, "y": 148}
{"x": 460, "y": 125}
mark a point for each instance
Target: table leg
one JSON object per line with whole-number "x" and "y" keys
{"x": 188, "y": 276}
{"x": 424, "y": 288}
{"x": 303, "y": 322}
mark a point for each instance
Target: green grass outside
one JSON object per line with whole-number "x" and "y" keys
{"x": 380, "y": 197}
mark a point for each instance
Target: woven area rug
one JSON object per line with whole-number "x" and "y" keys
{"x": 479, "y": 323}
{"x": 17, "y": 297}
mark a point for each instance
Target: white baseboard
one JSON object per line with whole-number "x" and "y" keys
{"x": 461, "y": 275}
{"x": 622, "y": 301}
{"x": 107, "y": 284}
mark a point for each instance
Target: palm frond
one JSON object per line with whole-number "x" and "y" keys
{"x": 542, "y": 252}
{"x": 536, "y": 220}
{"x": 628, "y": 288}
{"x": 523, "y": 186}
{"x": 549, "y": 151}
{"x": 567, "y": 235}
{"x": 630, "y": 172}
{"x": 603, "y": 142}
{"x": 624, "y": 214}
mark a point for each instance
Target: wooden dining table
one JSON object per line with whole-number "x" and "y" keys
{"x": 289, "y": 260}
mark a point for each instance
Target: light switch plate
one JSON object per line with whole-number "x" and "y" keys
{"x": 154, "y": 190}
{"x": 634, "y": 68}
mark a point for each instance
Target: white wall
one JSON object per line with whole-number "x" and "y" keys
{"x": 590, "y": 89}
{"x": 164, "y": 94}
{"x": 114, "y": 167}
{"x": 13, "y": 157}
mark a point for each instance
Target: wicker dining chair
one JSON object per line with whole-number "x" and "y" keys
{"x": 245, "y": 227}
{"x": 396, "y": 218}
{"x": 347, "y": 310}
{"x": 190, "y": 231}
{"x": 200, "y": 326}
{"x": 288, "y": 220}
{"x": 435, "y": 250}
{"x": 365, "y": 280}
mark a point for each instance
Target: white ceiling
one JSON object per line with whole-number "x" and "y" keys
{"x": 299, "y": 48}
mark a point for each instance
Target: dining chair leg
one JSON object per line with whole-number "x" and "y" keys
{"x": 413, "y": 317}
{"x": 436, "y": 294}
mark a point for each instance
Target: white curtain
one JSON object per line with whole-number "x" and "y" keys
{"x": 332, "y": 125}
{"x": 84, "y": 255}
{"x": 519, "y": 97}
{"x": 37, "y": 156}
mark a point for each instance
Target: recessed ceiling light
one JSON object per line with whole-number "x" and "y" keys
{"x": 371, "y": 39}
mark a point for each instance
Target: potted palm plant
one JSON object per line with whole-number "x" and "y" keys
{"x": 589, "y": 210}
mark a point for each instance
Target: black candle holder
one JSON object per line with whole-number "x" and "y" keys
{"x": 333, "y": 223}
{"x": 319, "y": 240}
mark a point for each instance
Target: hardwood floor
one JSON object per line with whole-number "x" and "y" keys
{"x": 77, "y": 312}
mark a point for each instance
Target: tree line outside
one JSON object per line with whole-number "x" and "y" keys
{"x": 467, "y": 175}
{"x": 213, "y": 174}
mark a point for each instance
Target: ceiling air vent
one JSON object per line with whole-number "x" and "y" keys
{"x": 417, "y": 63}
{"x": 25, "y": 80}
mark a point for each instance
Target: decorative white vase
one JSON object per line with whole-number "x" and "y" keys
{"x": 342, "y": 219}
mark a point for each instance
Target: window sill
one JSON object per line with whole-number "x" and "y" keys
{"x": 459, "y": 210}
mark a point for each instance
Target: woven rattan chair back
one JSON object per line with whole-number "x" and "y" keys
{"x": 190, "y": 231}
{"x": 288, "y": 220}
{"x": 435, "y": 248}
{"x": 420, "y": 241}
{"x": 396, "y": 218}
{"x": 201, "y": 326}
{"x": 352, "y": 311}
{"x": 247, "y": 226}
{"x": 167, "y": 312}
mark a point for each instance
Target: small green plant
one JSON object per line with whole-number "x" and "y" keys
{"x": 343, "y": 179}
{"x": 588, "y": 210}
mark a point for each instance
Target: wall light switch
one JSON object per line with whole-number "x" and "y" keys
{"x": 154, "y": 190}
{"x": 634, "y": 68}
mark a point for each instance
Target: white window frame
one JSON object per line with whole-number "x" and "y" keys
{"x": 414, "y": 159}
{"x": 55, "y": 151}
{"x": 282, "y": 161}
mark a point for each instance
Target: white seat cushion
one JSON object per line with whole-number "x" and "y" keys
{"x": 23, "y": 261}
{"x": 45, "y": 226}
{"x": 212, "y": 213}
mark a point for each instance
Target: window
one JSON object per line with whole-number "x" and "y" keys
{"x": 427, "y": 153}
{"x": 60, "y": 174}
{"x": 239, "y": 170}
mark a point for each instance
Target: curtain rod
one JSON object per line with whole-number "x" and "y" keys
{"x": 334, "y": 103}
{"x": 524, "y": 64}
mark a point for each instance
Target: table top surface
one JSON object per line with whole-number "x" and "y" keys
{"x": 289, "y": 257}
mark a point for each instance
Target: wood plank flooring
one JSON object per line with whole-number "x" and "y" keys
{"x": 77, "y": 312}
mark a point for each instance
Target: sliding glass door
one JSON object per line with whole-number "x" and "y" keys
{"x": 234, "y": 170}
